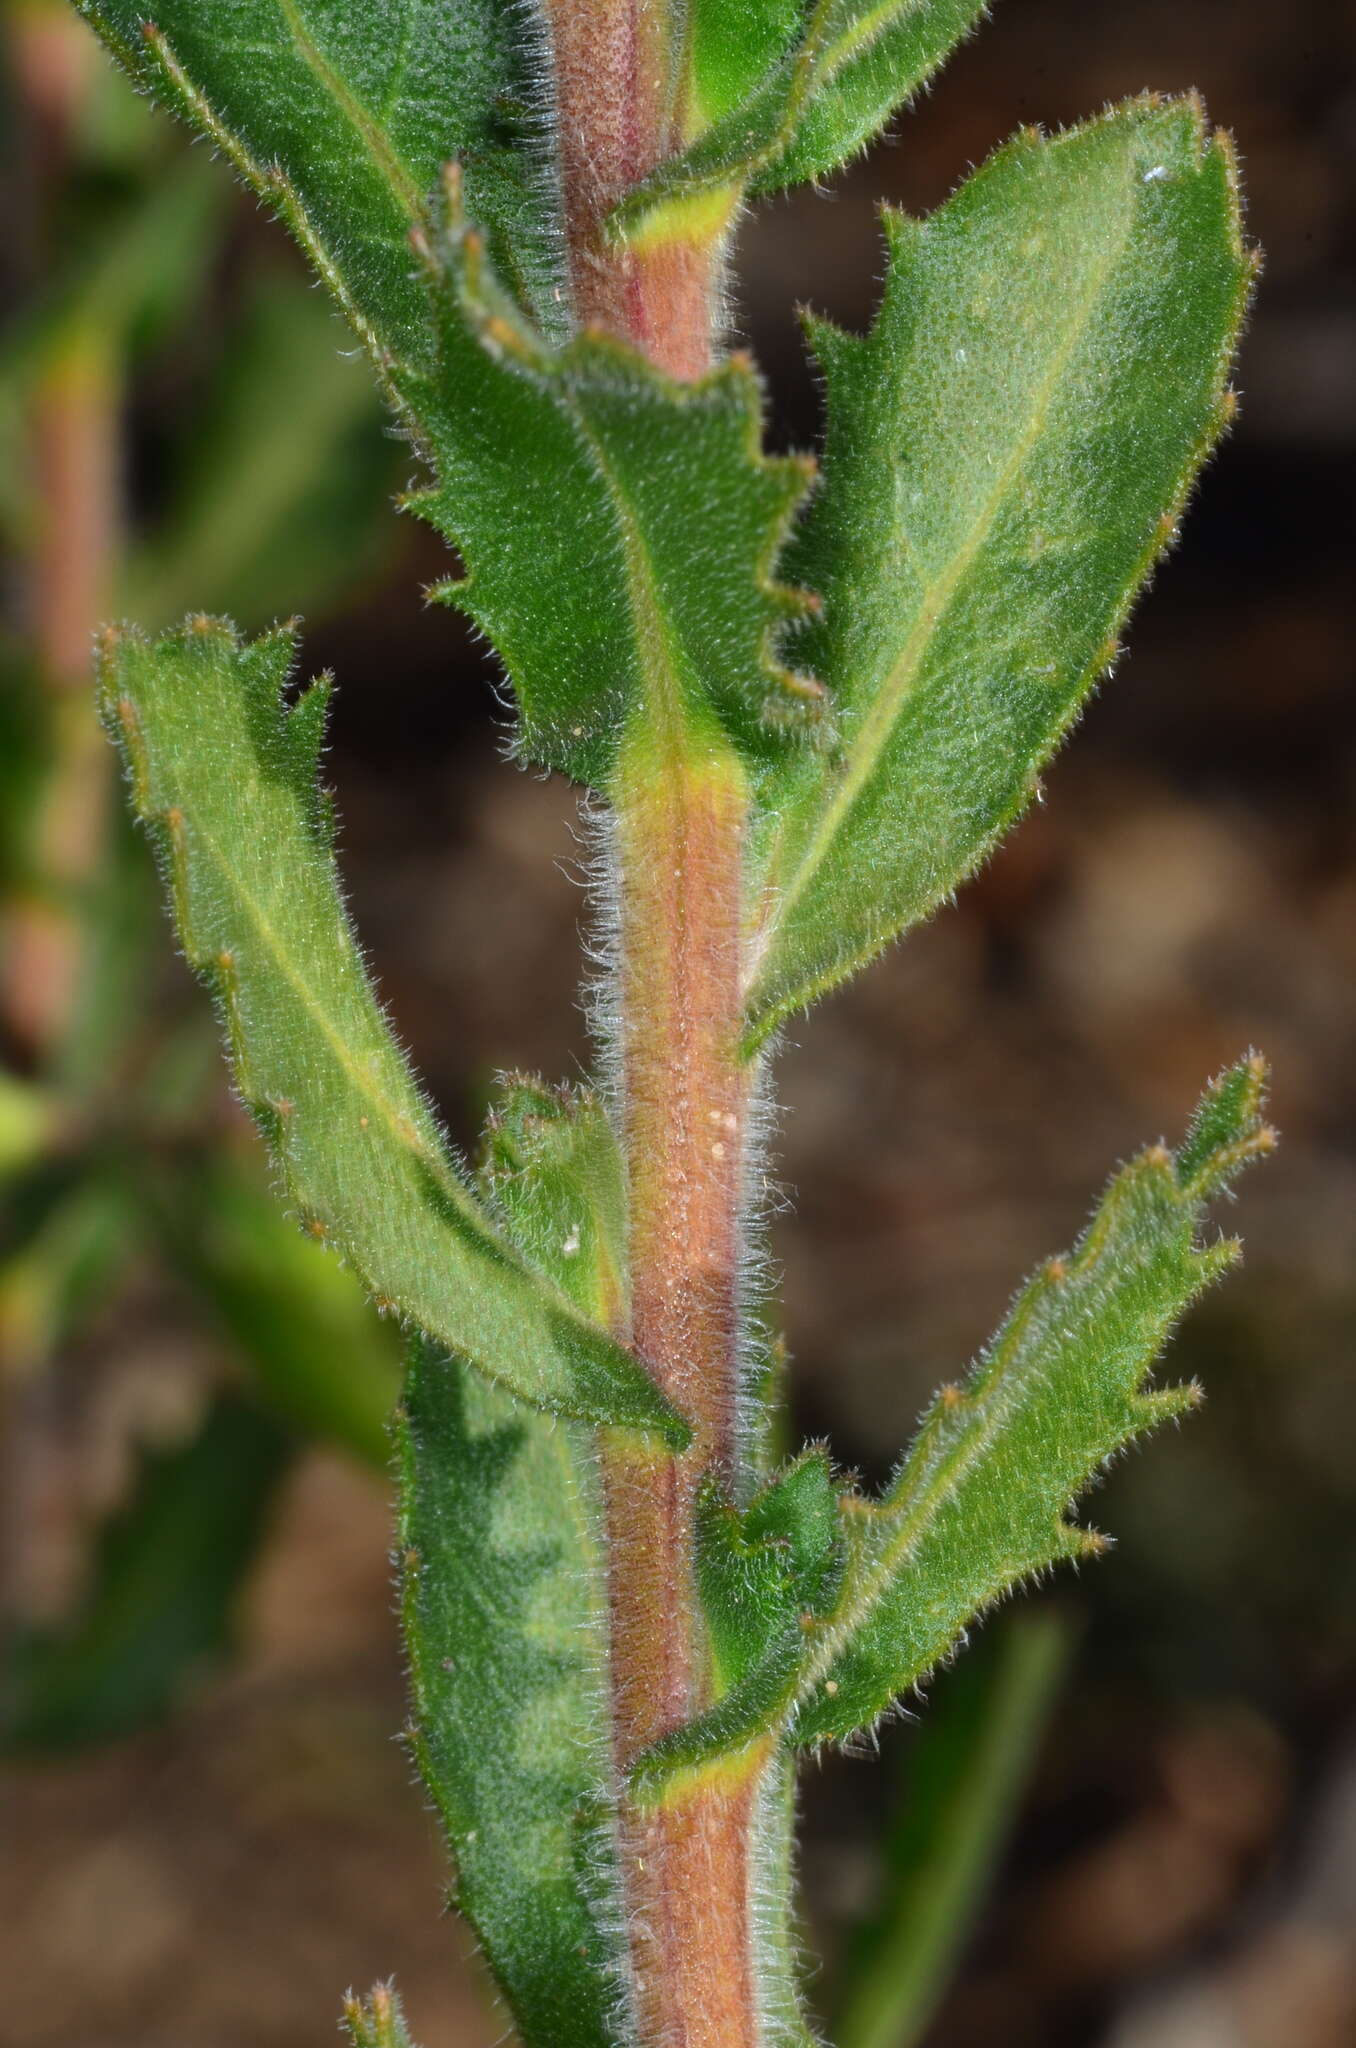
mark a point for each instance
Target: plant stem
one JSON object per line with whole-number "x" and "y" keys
{"x": 74, "y": 452}
{"x": 681, "y": 808}
{"x": 680, "y": 833}
{"x": 619, "y": 103}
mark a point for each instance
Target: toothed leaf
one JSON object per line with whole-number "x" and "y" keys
{"x": 981, "y": 1502}
{"x": 341, "y": 115}
{"x": 1007, "y": 453}
{"x": 819, "y": 103}
{"x": 505, "y": 1607}
{"x": 633, "y": 572}
{"x": 224, "y": 779}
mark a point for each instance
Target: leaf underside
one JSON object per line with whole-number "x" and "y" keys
{"x": 223, "y": 776}
{"x": 981, "y": 1502}
{"x": 505, "y": 1610}
{"x": 504, "y": 1622}
{"x": 1008, "y": 452}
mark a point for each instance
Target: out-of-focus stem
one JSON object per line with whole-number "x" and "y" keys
{"x": 75, "y": 447}
{"x": 74, "y": 453}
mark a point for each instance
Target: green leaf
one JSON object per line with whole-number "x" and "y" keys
{"x": 341, "y": 121}
{"x": 505, "y": 1609}
{"x": 1008, "y": 453}
{"x": 166, "y": 1575}
{"x": 636, "y": 571}
{"x": 553, "y": 1170}
{"x": 877, "y": 55}
{"x": 761, "y": 1573}
{"x": 377, "y": 2021}
{"x": 817, "y": 106}
{"x": 981, "y": 1502}
{"x": 505, "y": 1628}
{"x": 224, "y": 778}
{"x": 968, "y": 1764}
{"x": 733, "y": 43}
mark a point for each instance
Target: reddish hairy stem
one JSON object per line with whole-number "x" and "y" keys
{"x": 678, "y": 853}
{"x": 681, "y": 824}
{"x": 686, "y": 1866}
{"x": 620, "y": 114}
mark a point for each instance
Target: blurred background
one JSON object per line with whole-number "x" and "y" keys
{"x": 1127, "y": 1822}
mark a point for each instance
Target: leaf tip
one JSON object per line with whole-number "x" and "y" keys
{"x": 1223, "y": 146}
{"x": 1165, "y": 1404}
{"x": 1227, "y": 1129}
{"x": 1219, "y": 1258}
{"x": 377, "y": 2021}
{"x": 1226, "y": 412}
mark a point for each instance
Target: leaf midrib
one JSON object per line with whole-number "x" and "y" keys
{"x": 852, "y": 1613}
{"x": 862, "y": 31}
{"x": 362, "y": 1082}
{"x": 873, "y": 735}
{"x": 919, "y": 1516}
{"x": 394, "y": 171}
{"x": 1006, "y": 1374}
{"x": 664, "y": 695}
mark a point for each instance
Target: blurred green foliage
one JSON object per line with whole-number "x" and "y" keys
{"x": 967, "y": 1769}
{"x": 261, "y": 480}
{"x": 165, "y": 1573}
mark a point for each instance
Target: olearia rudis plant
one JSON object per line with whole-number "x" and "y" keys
{"x": 807, "y": 699}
